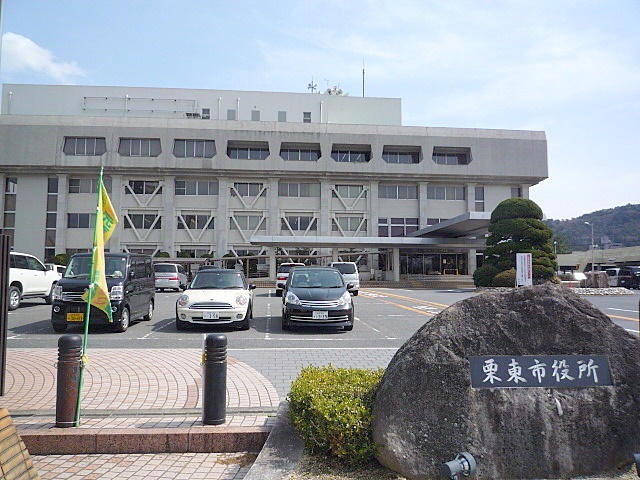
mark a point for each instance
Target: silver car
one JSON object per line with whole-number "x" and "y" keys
{"x": 170, "y": 275}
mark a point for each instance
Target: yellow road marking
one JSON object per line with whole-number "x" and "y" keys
{"x": 624, "y": 318}
{"x": 406, "y": 298}
{"x": 406, "y": 308}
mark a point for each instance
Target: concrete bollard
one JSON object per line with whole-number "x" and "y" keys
{"x": 214, "y": 379}
{"x": 69, "y": 359}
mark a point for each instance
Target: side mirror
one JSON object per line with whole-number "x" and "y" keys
{"x": 252, "y": 286}
{"x": 280, "y": 285}
{"x": 350, "y": 286}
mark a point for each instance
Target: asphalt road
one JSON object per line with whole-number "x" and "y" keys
{"x": 385, "y": 318}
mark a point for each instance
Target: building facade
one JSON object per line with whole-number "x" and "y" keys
{"x": 274, "y": 174}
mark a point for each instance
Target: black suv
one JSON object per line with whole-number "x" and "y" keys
{"x": 629, "y": 277}
{"x": 315, "y": 296}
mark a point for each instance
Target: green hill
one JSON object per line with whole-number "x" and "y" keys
{"x": 620, "y": 224}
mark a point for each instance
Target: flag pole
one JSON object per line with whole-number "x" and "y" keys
{"x": 83, "y": 361}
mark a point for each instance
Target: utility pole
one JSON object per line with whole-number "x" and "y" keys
{"x": 593, "y": 254}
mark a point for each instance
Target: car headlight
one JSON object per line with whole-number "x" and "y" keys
{"x": 292, "y": 298}
{"x": 183, "y": 300}
{"x": 345, "y": 299}
{"x": 57, "y": 292}
{"x": 117, "y": 293}
{"x": 241, "y": 300}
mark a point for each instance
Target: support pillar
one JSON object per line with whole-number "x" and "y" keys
{"x": 396, "y": 264}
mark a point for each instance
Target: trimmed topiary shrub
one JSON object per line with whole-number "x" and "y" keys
{"x": 505, "y": 279}
{"x": 332, "y": 409}
{"x": 483, "y": 276}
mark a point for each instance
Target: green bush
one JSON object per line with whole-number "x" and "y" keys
{"x": 505, "y": 279}
{"x": 61, "y": 259}
{"x": 332, "y": 409}
{"x": 483, "y": 276}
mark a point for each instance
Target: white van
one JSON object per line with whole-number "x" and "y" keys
{"x": 613, "y": 273}
{"x": 349, "y": 271}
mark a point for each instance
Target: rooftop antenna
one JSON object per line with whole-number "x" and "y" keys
{"x": 312, "y": 86}
{"x": 363, "y": 77}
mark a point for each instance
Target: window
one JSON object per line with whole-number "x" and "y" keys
{"x": 51, "y": 218}
{"x": 88, "y": 185}
{"x": 247, "y": 222}
{"x": 143, "y": 221}
{"x": 434, "y": 221}
{"x": 298, "y": 189}
{"x": 349, "y": 224}
{"x": 255, "y": 115}
{"x": 11, "y": 185}
{"x": 89, "y": 146}
{"x": 246, "y": 189}
{"x": 10, "y": 189}
{"x": 231, "y": 114}
{"x": 298, "y": 223}
{"x": 194, "y": 148}
{"x": 195, "y": 222}
{"x": 304, "y": 153}
{"x": 81, "y": 220}
{"x": 206, "y": 113}
{"x": 139, "y": 147}
{"x": 351, "y": 154}
{"x": 399, "y": 192}
{"x": 479, "y": 199}
{"x": 396, "y": 227}
{"x": 451, "y": 156}
{"x": 400, "y": 154}
{"x": 248, "y": 151}
{"x": 306, "y": 117}
{"x": 192, "y": 187}
{"x": 282, "y": 116}
{"x": 143, "y": 187}
{"x": 516, "y": 192}
{"x": 350, "y": 191}
{"x": 445, "y": 193}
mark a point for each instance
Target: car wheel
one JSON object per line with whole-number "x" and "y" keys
{"x": 14, "y": 298}
{"x": 122, "y": 325}
{"x": 348, "y": 328}
{"x": 49, "y": 298}
{"x": 149, "y": 315}
{"x": 59, "y": 327}
{"x": 180, "y": 325}
{"x": 285, "y": 323}
{"x": 355, "y": 293}
{"x": 278, "y": 293}
{"x": 244, "y": 325}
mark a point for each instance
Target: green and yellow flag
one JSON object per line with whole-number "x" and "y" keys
{"x": 106, "y": 219}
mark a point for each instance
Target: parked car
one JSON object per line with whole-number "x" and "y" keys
{"x": 629, "y": 277}
{"x": 56, "y": 268}
{"x": 29, "y": 278}
{"x": 170, "y": 275}
{"x": 314, "y": 296}
{"x": 613, "y": 276}
{"x": 283, "y": 273}
{"x": 349, "y": 271}
{"x": 216, "y": 297}
{"x": 131, "y": 290}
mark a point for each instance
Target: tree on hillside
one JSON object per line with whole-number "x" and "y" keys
{"x": 560, "y": 244}
{"x": 516, "y": 227}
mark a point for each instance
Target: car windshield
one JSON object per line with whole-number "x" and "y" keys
{"x": 316, "y": 279}
{"x": 217, "y": 280}
{"x": 80, "y": 267}
{"x": 346, "y": 268}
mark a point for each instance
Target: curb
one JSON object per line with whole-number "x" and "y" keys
{"x": 154, "y": 440}
{"x": 282, "y": 451}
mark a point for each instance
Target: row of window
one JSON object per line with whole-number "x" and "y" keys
{"x": 186, "y": 148}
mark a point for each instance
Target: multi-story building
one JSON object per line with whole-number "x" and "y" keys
{"x": 218, "y": 172}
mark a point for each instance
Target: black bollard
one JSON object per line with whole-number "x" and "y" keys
{"x": 69, "y": 359}
{"x": 214, "y": 379}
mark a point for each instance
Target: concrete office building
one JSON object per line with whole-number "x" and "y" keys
{"x": 212, "y": 171}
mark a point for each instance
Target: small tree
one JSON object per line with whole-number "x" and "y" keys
{"x": 517, "y": 227}
{"x": 161, "y": 254}
{"x": 61, "y": 259}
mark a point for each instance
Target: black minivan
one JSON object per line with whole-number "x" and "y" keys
{"x": 131, "y": 287}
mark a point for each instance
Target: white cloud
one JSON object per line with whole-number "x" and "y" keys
{"x": 21, "y": 54}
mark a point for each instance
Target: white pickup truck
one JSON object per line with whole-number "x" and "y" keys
{"x": 29, "y": 278}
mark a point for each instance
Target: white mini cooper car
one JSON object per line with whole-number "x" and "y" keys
{"x": 216, "y": 297}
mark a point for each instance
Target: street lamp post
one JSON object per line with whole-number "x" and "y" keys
{"x": 593, "y": 255}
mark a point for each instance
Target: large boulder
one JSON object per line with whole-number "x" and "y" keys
{"x": 426, "y": 411}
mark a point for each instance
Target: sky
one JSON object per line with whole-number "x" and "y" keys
{"x": 570, "y": 68}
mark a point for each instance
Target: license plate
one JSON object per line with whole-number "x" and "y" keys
{"x": 211, "y": 315}
{"x": 75, "y": 317}
{"x": 320, "y": 315}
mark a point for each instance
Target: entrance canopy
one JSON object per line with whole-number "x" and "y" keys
{"x": 474, "y": 224}
{"x": 363, "y": 242}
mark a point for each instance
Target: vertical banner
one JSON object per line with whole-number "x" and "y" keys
{"x": 524, "y": 271}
